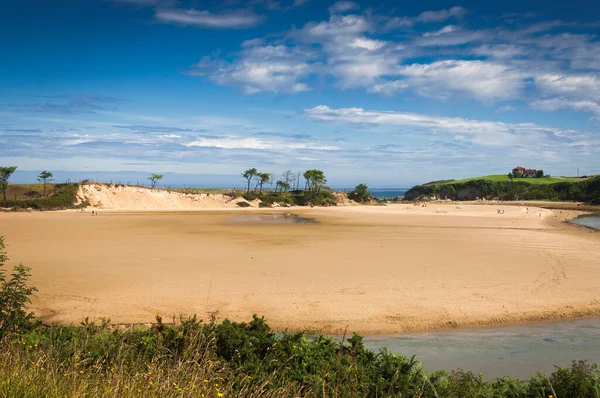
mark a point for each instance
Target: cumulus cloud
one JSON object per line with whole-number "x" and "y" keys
{"x": 274, "y": 68}
{"x": 238, "y": 19}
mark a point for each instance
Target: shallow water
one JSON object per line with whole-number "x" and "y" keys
{"x": 270, "y": 219}
{"x": 516, "y": 351}
{"x": 588, "y": 221}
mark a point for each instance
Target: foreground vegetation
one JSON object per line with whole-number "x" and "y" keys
{"x": 219, "y": 359}
{"x": 586, "y": 189}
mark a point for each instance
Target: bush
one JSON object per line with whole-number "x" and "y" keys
{"x": 14, "y": 296}
{"x": 243, "y": 204}
{"x": 64, "y": 198}
{"x": 360, "y": 193}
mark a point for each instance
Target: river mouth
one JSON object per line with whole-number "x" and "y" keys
{"x": 273, "y": 219}
{"x": 518, "y": 351}
{"x": 589, "y": 221}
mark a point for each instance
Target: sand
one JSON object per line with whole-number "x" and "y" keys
{"x": 131, "y": 198}
{"x": 370, "y": 269}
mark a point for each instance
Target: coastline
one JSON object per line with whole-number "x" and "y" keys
{"x": 361, "y": 269}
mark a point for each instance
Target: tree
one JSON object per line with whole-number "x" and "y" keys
{"x": 5, "y": 173}
{"x": 360, "y": 193}
{"x": 248, "y": 175}
{"x": 539, "y": 174}
{"x": 289, "y": 178}
{"x": 154, "y": 178}
{"x": 510, "y": 176}
{"x": 282, "y": 184}
{"x": 45, "y": 177}
{"x": 263, "y": 178}
{"x": 315, "y": 180}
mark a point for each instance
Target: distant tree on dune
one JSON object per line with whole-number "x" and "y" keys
{"x": 248, "y": 175}
{"x": 282, "y": 185}
{"x": 360, "y": 193}
{"x": 263, "y": 178}
{"x": 45, "y": 177}
{"x": 154, "y": 178}
{"x": 289, "y": 178}
{"x": 5, "y": 173}
{"x": 315, "y": 180}
{"x": 539, "y": 174}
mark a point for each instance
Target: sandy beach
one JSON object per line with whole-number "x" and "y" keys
{"x": 370, "y": 269}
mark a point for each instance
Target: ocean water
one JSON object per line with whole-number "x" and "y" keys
{"x": 516, "y": 351}
{"x": 588, "y": 221}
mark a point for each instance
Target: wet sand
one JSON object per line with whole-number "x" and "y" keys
{"x": 374, "y": 270}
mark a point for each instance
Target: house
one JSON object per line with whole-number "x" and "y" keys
{"x": 523, "y": 172}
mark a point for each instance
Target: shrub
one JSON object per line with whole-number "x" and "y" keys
{"x": 360, "y": 193}
{"x": 14, "y": 296}
{"x": 243, "y": 204}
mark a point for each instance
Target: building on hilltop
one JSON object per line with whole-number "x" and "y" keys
{"x": 523, "y": 172}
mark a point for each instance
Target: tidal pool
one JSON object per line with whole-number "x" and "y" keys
{"x": 591, "y": 221}
{"x": 516, "y": 351}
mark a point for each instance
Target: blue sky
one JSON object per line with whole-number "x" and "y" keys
{"x": 385, "y": 93}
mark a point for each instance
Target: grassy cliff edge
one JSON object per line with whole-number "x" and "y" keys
{"x": 585, "y": 189}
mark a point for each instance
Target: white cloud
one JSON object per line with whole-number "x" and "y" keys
{"x": 338, "y": 25}
{"x": 481, "y": 132}
{"x": 207, "y": 19}
{"x": 256, "y": 143}
{"x": 442, "y": 15}
{"x": 481, "y": 79}
{"x": 389, "y": 88}
{"x": 586, "y": 86}
{"x": 275, "y": 68}
{"x": 500, "y": 51}
{"x": 444, "y": 30}
{"x": 343, "y": 6}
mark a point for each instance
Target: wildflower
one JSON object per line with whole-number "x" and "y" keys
{"x": 220, "y": 394}
{"x": 206, "y": 381}
{"x": 81, "y": 371}
{"x": 139, "y": 390}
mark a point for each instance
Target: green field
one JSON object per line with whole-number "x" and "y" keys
{"x": 504, "y": 178}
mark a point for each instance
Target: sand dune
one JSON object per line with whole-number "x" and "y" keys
{"x": 121, "y": 197}
{"x": 372, "y": 269}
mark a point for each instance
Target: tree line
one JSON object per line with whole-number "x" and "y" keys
{"x": 314, "y": 180}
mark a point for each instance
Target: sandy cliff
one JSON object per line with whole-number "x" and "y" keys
{"x": 119, "y": 197}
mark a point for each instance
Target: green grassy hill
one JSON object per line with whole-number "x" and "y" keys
{"x": 499, "y": 186}
{"x": 504, "y": 178}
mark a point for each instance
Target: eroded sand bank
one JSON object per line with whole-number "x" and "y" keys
{"x": 372, "y": 269}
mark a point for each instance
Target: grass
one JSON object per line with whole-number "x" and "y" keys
{"x": 30, "y": 191}
{"x": 504, "y": 178}
{"x": 223, "y": 191}
{"x": 59, "y": 196}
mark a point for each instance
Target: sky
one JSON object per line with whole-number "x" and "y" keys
{"x": 386, "y": 93}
